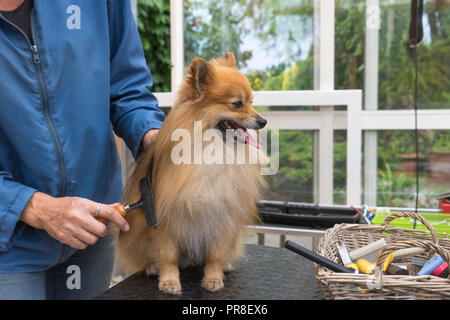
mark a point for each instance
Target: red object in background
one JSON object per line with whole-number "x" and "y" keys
{"x": 445, "y": 206}
{"x": 444, "y": 202}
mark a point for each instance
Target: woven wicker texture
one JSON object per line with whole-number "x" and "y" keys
{"x": 336, "y": 285}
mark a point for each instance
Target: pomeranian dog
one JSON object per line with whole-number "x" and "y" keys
{"x": 201, "y": 208}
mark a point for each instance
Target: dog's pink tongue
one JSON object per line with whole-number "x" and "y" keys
{"x": 243, "y": 135}
{"x": 249, "y": 139}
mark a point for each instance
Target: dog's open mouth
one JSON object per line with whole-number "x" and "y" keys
{"x": 240, "y": 133}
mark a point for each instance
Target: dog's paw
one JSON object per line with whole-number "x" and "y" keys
{"x": 212, "y": 285}
{"x": 151, "y": 270}
{"x": 170, "y": 286}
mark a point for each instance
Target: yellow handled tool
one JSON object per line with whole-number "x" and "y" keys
{"x": 368, "y": 267}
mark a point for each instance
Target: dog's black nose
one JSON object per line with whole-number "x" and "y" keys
{"x": 261, "y": 122}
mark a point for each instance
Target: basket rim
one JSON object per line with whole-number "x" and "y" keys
{"x": 364, "y": 227}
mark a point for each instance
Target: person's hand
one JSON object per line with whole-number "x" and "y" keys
{"x": 71, "y": 220}
{"x": 149, "y": 137}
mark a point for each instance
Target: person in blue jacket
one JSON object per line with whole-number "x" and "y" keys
{"x": 71, "y": 73}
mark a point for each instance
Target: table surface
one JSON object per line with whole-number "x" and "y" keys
{"x": 265, "y": 273}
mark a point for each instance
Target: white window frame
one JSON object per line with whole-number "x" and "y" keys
{"x": 313, "y": 120}
{"x": 354, "y": 120}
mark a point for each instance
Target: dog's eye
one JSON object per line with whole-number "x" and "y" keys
{"x": 237, "y": 104}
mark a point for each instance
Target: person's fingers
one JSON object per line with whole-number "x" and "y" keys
{"x": 93, "y": 226}
{"x": 84, "y": 214}
{"x": 85, "y": 236}
{"x": 108, "y": 212}
{"x": 75, "y": 236}
{"x": 76, "y": 243}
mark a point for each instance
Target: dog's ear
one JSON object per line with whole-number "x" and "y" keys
{"x": 228, "y": 60}
{"x": 201, "y": 74}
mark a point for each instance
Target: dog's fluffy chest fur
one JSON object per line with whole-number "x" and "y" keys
{"x": 216, "y": 199}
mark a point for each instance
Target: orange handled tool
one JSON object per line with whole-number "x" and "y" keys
{"x": 146, "y": 203}
{"x": 120, "y": 208}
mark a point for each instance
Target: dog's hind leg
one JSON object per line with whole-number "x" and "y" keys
{"x": 236, "y": 251}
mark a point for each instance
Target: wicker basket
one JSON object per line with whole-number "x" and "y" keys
{"x": 337, "y": 285}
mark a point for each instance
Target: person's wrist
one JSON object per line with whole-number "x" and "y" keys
{"x": 37, "y": 207}
{"x": 149, "y": 137}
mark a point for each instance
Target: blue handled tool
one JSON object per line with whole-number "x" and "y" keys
{"x": 431, "y": 265}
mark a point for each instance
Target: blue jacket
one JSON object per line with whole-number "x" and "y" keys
{"x": 61, "y": 94}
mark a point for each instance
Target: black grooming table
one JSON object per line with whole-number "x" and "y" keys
{"x": 266, "y": 273}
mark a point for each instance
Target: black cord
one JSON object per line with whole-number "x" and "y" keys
{"x": 418, "y": 6}
{"x": 416, "y": 132}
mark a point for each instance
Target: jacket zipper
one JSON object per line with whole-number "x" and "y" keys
{"x": 37, "y": 62}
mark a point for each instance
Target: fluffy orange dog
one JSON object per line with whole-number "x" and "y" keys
{"x": 202, "y": 209}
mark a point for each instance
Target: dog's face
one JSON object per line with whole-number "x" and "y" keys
{"x": 225, "y": 97}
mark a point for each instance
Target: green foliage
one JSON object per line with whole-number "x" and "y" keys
{"x": 298, "y": 155}
{"x": 223, "y": 32}
{"x": 214, "y": 27}
{"x": 349, "y": 44}
{"x": 396, "y": 62}
{"x": 394, "y": 190}
{"x": 297, "y": 77}
{"x": 340, "y": 166}
{"x": 295, "y": 178}
{"x": 154, "y": 28}
{"x": 441, "y": 141}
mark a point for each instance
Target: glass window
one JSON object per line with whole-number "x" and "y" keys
{"x": 271, "y": 39}
{"x": 349, "y": 44}
{"x": 294, "y": 181}
{"x": 395, "y": 151}
{"x": 395, "y": 58}
{"x": 396, "y": 174}
{"x": 273, "y": 44}
{"x": 396, "y": 75}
